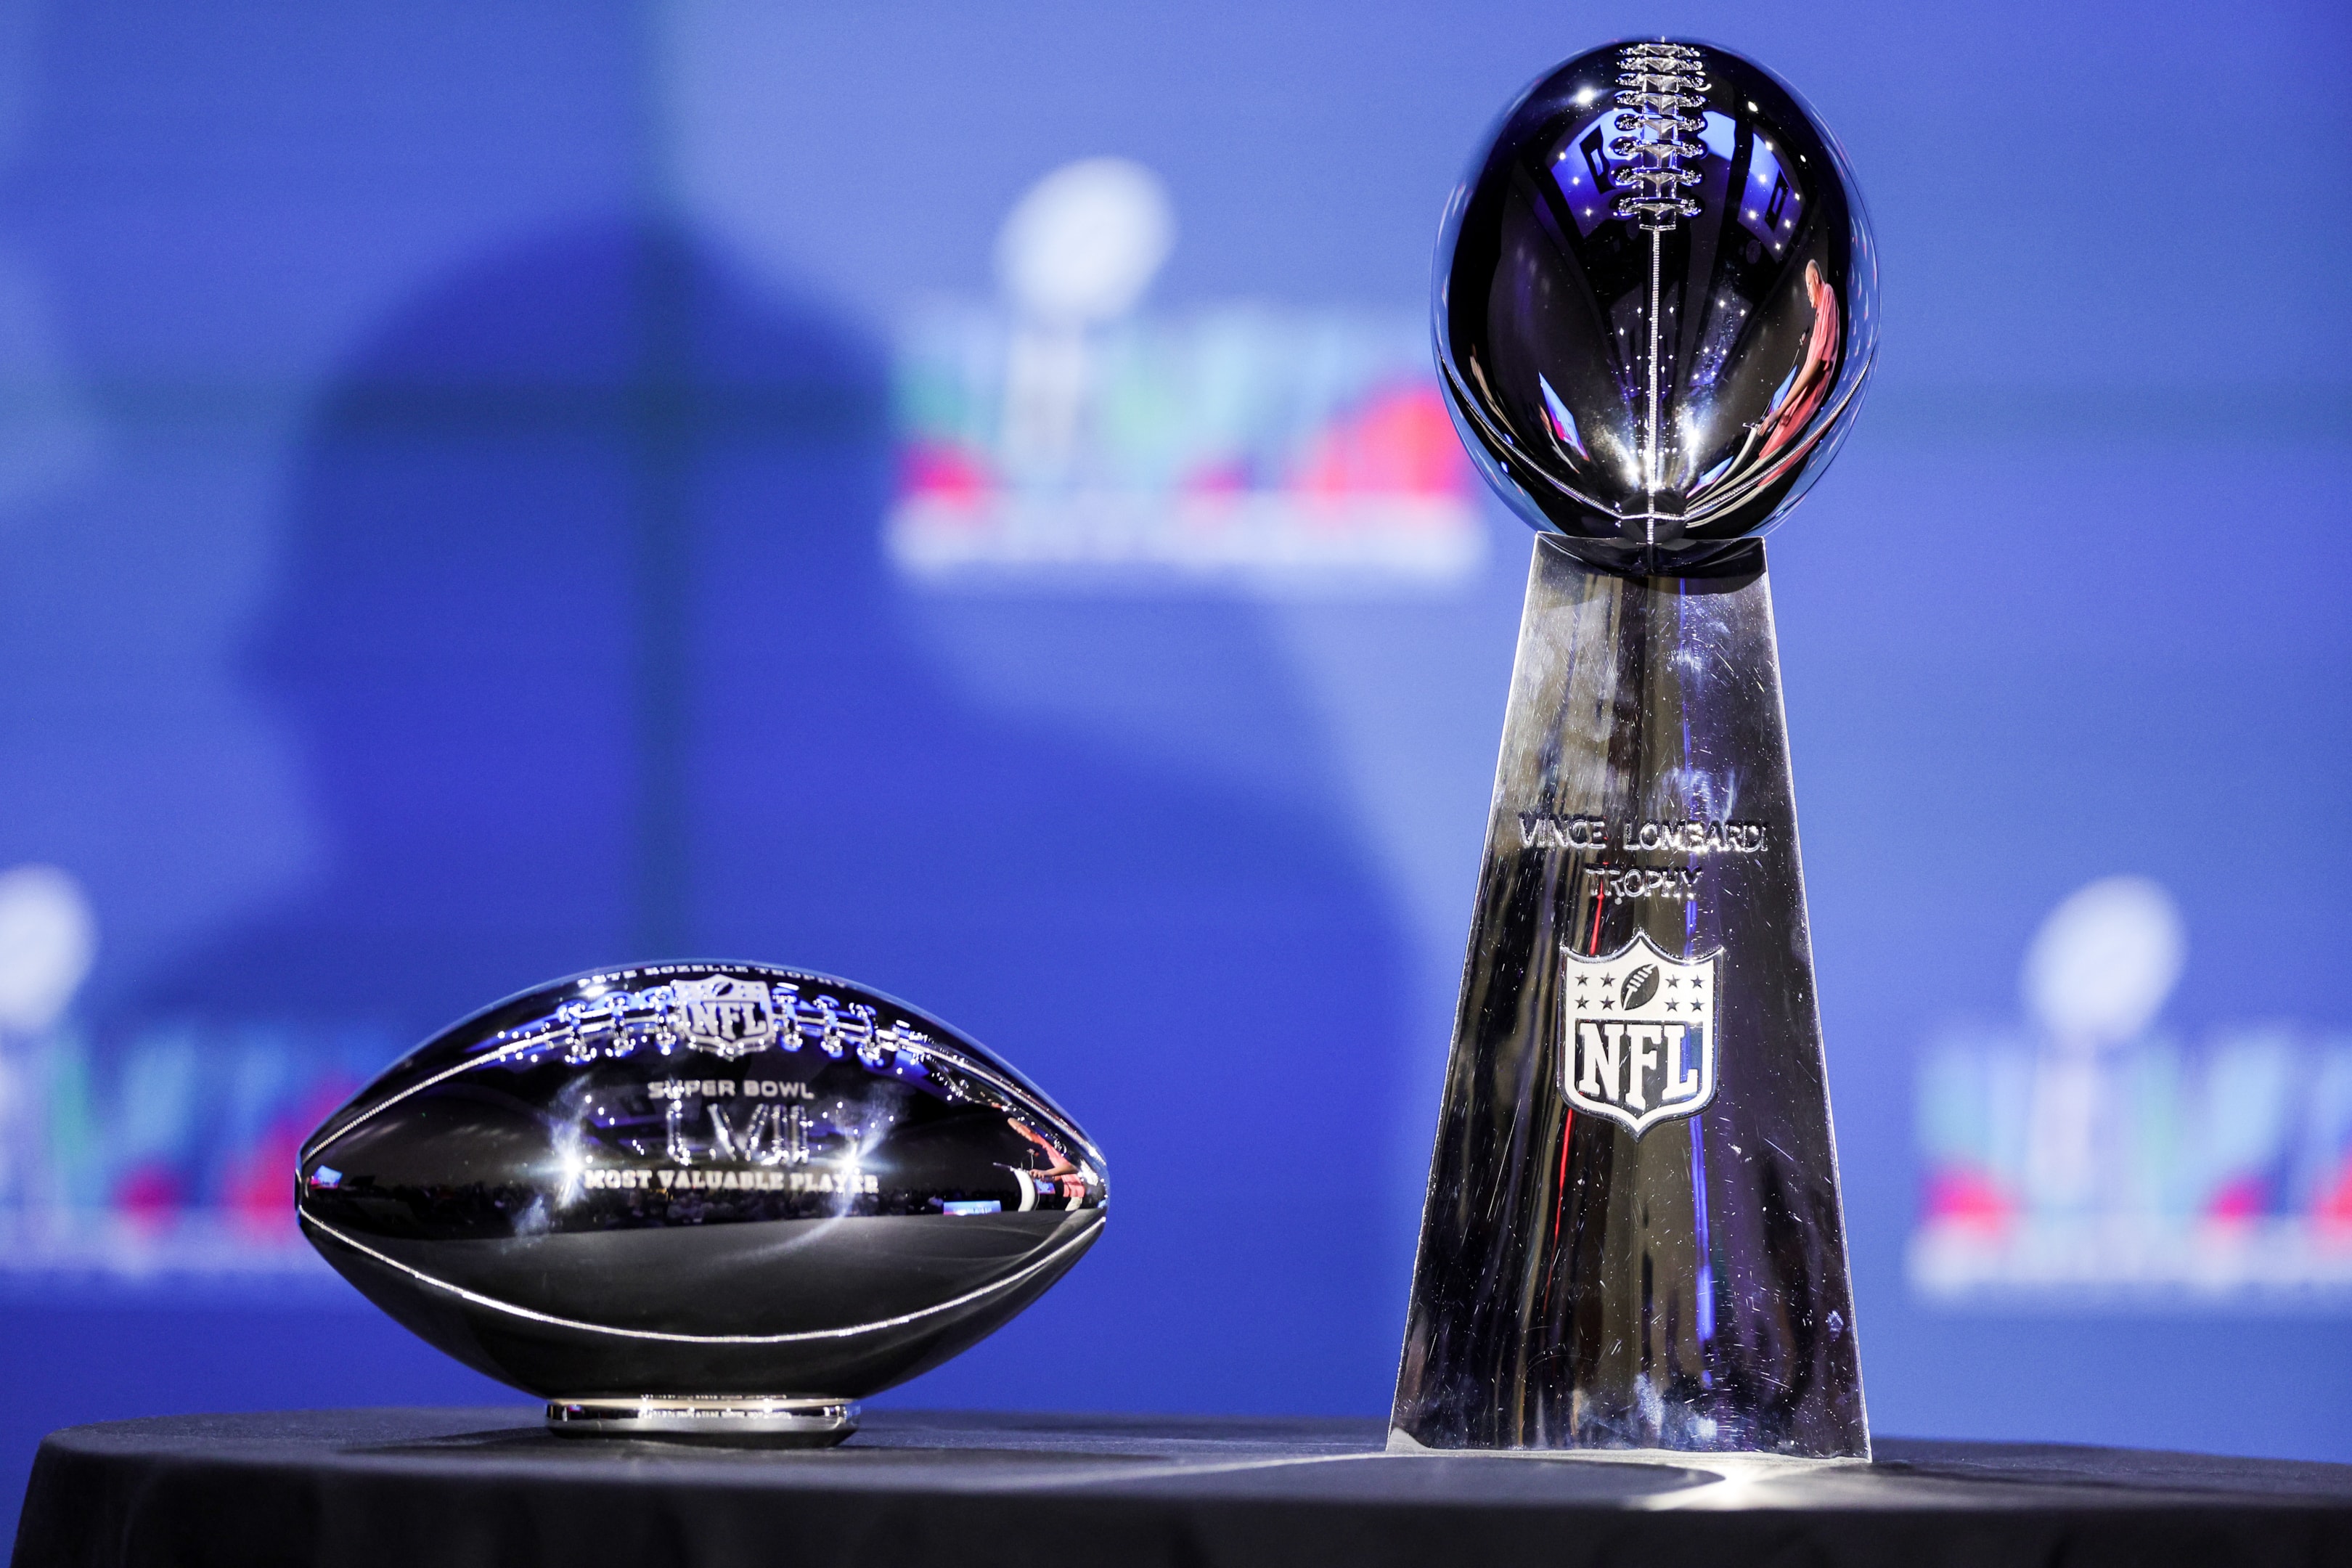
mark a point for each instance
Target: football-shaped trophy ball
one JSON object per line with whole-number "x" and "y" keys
{"x": 1656, "y": 304}
{"x": 1656, "y": 307}
{"x": 715, "y": 1201}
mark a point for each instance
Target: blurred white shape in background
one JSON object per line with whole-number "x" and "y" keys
{"x": 2104, "y": 962}
{"x": 49, "y": 939}
{"x": 2094, "y": 978}
{"x": 1086, "y": 241}
{"x": 1075, "y": 255}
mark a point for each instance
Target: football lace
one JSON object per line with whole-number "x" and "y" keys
{"x": 1657, "y": 84}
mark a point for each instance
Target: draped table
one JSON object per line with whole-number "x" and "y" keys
{"x": 456, "y": 1487}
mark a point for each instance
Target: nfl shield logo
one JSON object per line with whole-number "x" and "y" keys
{"x": 1637, "y": 1031}
{"x": 729, "y": 1016}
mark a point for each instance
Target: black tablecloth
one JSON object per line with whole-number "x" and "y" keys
{"x": 456, "y": 1487}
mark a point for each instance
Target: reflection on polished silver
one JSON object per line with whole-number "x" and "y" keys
{"x": 765, "y": 1423}
{"x": 1656, "y": 303}
{"x": 629, "y": 1189}
{"x": 1655, "y": 315}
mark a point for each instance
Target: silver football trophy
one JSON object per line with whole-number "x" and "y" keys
{"x": 707, "y": 1201}
{"x": 1656, "y": 307}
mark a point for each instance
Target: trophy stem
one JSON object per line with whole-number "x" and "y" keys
{"x": 769, "y": 1421}
{"x": 1653, "y": 437}
{"x": 1632, "y": 1238}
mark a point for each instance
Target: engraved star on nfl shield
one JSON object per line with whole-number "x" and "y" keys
{"x": 1637, "y": 1031}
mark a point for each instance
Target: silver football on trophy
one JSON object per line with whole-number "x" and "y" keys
{"x": 1655, "y": 303}
{"x": 701, "y": 1200}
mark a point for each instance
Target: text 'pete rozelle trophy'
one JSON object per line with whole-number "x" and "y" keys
{"x": 1655, "y": 309}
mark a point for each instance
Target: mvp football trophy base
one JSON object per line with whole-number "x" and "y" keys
{"x": 1632, "y": 1238}
{"x": 746, "y": 1421}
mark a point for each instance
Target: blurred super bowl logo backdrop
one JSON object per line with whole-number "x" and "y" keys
{"x": 2086, "y": 1150}
{"x": 166, "y": 1151}
{"x": 1059, "y": 436}
{"x": 2091, "y": 1152}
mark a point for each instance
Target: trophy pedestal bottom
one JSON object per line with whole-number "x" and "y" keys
{"x": 753, "y": 1420}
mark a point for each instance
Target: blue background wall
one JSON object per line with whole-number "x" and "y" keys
{"x": 440, "y": 487}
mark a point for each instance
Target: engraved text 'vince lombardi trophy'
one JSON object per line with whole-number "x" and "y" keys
{"x": 1655, "y": 309}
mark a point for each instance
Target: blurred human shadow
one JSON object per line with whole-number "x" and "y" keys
{"x": 585, "y": 631}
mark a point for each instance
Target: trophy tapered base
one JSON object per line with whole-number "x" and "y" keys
{"x": 1632, "y": 1238}
{"x": 742, "y": 1420}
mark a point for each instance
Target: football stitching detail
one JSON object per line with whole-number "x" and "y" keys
{"x": 537, "y": 1041}
{"x": 1656, "y": 83}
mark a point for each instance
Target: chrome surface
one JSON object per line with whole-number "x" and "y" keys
{"x": 701, "y": 1180}
{"x": 745, "y": 1421}
{"x": 1655, "y": 303}
{"x": 1632, "y": 1238}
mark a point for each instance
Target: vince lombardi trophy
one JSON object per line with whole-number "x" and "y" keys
{"x": 1656, "y": 307}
